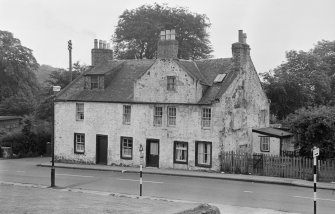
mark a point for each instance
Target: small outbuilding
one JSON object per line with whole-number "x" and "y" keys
{"x": 273, "y": 141}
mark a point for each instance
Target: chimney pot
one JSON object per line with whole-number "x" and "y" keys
{"x": 95, "y": 43}
{"x": 167, "y": 45}
{"x": 100, "y": 44}
{"x": 240, "y": 36}
{"x": 104, "y": 45}
{"x": 244, "y": 38}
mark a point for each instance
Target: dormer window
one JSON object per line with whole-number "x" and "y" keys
{"x": 171, "y": 83}
{"x": 94, "y": 82}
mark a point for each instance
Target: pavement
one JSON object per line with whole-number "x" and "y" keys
{"x": 200, "y": 174}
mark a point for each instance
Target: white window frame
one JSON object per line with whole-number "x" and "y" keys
{"x": 80, "y": 111}
{"x": 203, "y": 154}
{"x": 180, "y": 152}
{"x": 126, "y": 114}
{"x": 264, "y": 142}
{"x": 127, "y": 148}
{"x": 171, "y": 118}
{"x": 79, "y": 143}
{"x": 206, "y": 117}
{"x": 158, "y": 116}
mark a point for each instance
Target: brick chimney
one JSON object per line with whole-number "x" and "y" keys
{"x": 101, "y": 52}
{"x": 167, "y": 45}
{"x": 241, "y": 50}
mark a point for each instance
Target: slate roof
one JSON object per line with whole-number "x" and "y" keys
{"x": 273, "y": 132}
{"x": 119, "y": 89}
{"x": 125, "y": 72}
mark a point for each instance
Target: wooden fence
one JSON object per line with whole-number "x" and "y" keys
{"x": 277, "y": 166}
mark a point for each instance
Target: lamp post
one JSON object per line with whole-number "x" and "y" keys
{"x": 69, "y": 47}
{"x": 54, "y": 90}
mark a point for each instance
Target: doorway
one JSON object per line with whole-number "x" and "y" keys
{"x": 102, "y": 146}
{"x": 152, "y": 153}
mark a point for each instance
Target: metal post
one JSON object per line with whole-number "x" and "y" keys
{"x": 314, "y": 169}
{"x": 70, "y": 58}
{"x": 53, "y": 143}
{"x": 141, "y": 180}
{"x": 55, "y": 89}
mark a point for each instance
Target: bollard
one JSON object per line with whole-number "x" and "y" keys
{"x": 314, "y": 169}
{"x": 141, "y": 180}
{"x": 316, "y": 152}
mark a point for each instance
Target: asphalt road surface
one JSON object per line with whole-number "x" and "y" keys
{"x": 246, "y": 194}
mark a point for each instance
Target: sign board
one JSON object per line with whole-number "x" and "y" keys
{"x": 316, "y": 152}
{"x": 55, "y": 88}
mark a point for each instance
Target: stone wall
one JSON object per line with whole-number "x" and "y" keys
{"x": 152, "y": 86}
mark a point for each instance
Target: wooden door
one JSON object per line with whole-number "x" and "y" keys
{"x": 152, "y": 152}
{"x": 102, "y": 146}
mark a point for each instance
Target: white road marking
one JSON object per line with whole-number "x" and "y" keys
{"x": 321, "y": 199}
{"x": 155, "y": 182}
{"x": 248, "y": 191}
{"x": 83, "y": 176}
{"x": 19, "y": 171}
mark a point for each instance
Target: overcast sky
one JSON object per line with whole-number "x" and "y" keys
{"x": 272, "y": 26}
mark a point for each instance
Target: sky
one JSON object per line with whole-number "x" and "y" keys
{"x": 272, "y": 26}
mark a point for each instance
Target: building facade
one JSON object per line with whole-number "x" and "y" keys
{"x": 182, "y": 113}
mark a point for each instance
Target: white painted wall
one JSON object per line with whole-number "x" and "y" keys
{"x": 106, "y": 119}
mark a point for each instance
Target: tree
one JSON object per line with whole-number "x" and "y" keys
{"x": 306, "y": 79}
{"x": 61, "y": 77}
{"x": 17, "y": 105}
{"x": 314, "y": 127}
{"x": 17, "y": 68}
{"x": 137, "y": 32}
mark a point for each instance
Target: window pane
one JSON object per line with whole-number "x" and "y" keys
{"x": 171, "y": 83}
{"x": 80, "y": 143}
{"x": 206, "y": 117}
{"x": 79, "y": 111}
{"x": 181, "y": 151}
{"x": 127, "y": 147}
{"x": 204, "y": 153}
{"x": 154, "y": 148}
{"x": 158, "y": 116}
{"x": 172, "y": 116}
{"x": 126, "y": 114}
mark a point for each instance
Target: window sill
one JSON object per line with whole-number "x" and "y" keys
{"x": 204, "y": 165}
{"x": 79, "y": 153}
{"x": 126, "y": 158}
{"x": 206, "y": 128}
{"x": 180, "y": 162}
{"x": 79, "y": 120}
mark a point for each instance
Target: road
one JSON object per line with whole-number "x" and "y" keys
{"x": 245, "y": 194}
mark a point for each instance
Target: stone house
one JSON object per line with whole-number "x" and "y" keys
{"x": 182, "y": 113}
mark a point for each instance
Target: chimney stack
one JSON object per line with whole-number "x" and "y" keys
{"x": 240, "y": 50}
{"x": 101, "y": 52}
{"x": 167, "y": 45}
